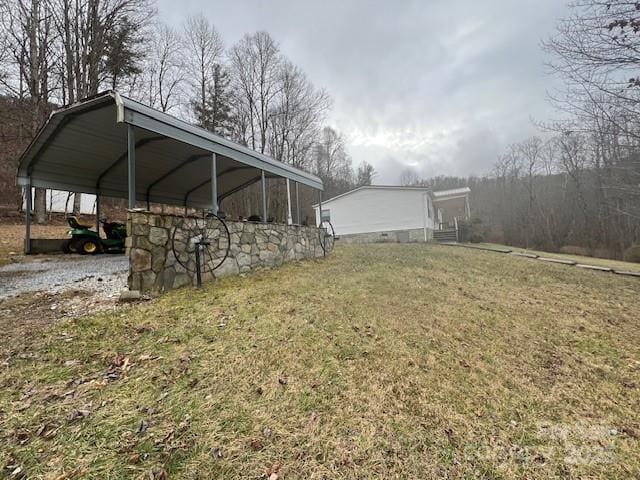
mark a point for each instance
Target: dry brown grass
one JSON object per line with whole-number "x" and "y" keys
{"x": 382, "y": 361}
{"x": 12, "y": 238}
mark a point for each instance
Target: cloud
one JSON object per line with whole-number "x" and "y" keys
{"x": 443, "y": 86}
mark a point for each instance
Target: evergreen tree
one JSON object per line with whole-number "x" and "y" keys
{"x": 123, "y": 52}
{"x": 215, "y": 116}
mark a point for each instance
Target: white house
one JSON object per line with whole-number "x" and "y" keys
{"x": 378, "y": 213}
{"x": 59, "y": 201}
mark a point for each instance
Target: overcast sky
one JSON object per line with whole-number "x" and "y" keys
{"x": 439, "y": 85}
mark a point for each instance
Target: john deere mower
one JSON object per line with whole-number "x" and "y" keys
{"x": 88, "y": 242}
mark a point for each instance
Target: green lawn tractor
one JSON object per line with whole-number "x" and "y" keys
{"x": 88, "y": 242}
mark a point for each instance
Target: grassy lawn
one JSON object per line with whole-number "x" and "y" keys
{"x": 382, "y": 361}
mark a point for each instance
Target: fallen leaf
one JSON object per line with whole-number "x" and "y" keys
{"x": 272, "y": 470}
{"x": 256, "y": 445}
{"x": 120, "y": 361}
{"x": 282, "y": 380}
{"x": 162, "y": 396}
{"x": 158, "y": 473}
{"x": 146, "y": 357}
{"x": 17, "y": 472}
{"x": 78, "y": 415}
{"x": 142, "y": 427}
{"x": 216, "y": 453}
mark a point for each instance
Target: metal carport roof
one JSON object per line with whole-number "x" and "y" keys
{"x": 84, "y": 148}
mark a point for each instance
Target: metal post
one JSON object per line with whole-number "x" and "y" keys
{"x": 131, "y": 164}
{"x": 98, "y": 213}
{"x": 289, "y": 216}
{"x": 297, "y": 205}
{"x": 198, "y": 275}
{"x": 27, "y": 218}
{"x": 214, "y": 185}
{"x": 264, "y": 198}
{"x": 425, "y": 213}
{"x": 323, "y": 233}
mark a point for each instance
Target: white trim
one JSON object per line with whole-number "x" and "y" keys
{"x": 442, "y": 199}
{"x": 451, "y": 191}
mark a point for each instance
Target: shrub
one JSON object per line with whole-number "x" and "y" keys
{"x": 471, "y": 230}
{"x": 575, "y": 250}
{"x": 632, "y": 254}
{"x": 603, "y": 252}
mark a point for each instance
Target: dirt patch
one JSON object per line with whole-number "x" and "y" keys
{"x": 12, "y": 239}
{"x": 27, "y": 316}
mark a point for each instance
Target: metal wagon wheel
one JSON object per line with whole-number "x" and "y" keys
{"x": 209, "y": 236}
{"x": 327, "y": 236}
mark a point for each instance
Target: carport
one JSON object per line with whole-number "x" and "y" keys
{"x": 113, "y": 146}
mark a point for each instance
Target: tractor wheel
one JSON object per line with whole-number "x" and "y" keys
{"x": 66, "y": 246}
{"x": 89, "y": 246}
{"x": 74, "y": 245}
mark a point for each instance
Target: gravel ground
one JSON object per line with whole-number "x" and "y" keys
{"x": 104, "y": 275}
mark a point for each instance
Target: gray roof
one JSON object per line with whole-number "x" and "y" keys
{"x": 83, "y": 148}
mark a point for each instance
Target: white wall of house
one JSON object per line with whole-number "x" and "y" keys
{"x": 379, "y": 209}
{"x": 57, "y": 202}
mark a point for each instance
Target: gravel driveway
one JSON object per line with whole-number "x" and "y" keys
{"x": 106, "y": 275}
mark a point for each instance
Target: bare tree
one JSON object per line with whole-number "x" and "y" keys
{"x": 100, "y": 44}
{"x": 596, "y": 53}
{"x": 27, "y": 39}
{"x": 409, "y": 177}
{"x": 297, "y": 113}
{"x": 203, "y": 50}
{"x": 365, "y": 174}
{"x": 255, "y": 63}
{"x": 164, "y": 75}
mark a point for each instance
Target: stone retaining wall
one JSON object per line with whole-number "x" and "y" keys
{"x": 153, "y": 266}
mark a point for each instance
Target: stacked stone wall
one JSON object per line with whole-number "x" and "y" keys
{"x": 153, "y": 266}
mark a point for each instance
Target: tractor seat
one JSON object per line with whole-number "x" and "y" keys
{"x": 73, "y": 223}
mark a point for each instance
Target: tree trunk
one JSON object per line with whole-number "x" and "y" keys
{"x": 77, "y": 202}
{"x": 40, "y": 205}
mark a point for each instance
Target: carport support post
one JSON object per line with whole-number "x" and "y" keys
{"x": 214, "y": 185}
{"x": 264, "y": 198}
{"x": 319, "y": 208}
{"x": 27, "y": 217}
{"x": 131, "y": 165}
{"x": 297, "y": 205}
{"x": 289, "y": 216}
{"x": 98, "y": 212}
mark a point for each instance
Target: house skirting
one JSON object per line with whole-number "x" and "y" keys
{"x": 391, "y": 236}
{"x": 153, "y": 266}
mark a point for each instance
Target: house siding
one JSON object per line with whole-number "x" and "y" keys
{"x": 381, "y": 211}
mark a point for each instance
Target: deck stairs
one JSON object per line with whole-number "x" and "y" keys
{"x": 444, "y": 236}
